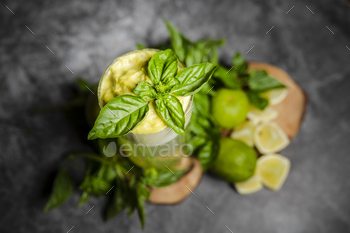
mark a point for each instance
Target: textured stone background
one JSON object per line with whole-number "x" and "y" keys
{"x": 87, "y": 35}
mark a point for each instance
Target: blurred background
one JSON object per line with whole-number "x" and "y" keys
{"x": 46, "y": 45}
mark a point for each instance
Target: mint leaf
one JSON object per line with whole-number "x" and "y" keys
{"x": 192, "y": 79}
{"x": 119, "y": 116}
{"x": 145, "y": 90}
{"x": 62, "y": 189}
{"x": 256, "y": 100}
{"x": 226, "y": 77}
{"x": 180, "y": 43}
{"x": 169, "y": 108}
{"x": 260, "y": 81}
{"x": 162, "y": 66}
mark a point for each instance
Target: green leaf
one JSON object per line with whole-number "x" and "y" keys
{"x": 162, "y": 66}
{"x": 140, "y": 46}
{"x": 107, "y": 172}
{"x": 119, "y": 116}
{"x": 85, "y": 196}
{"x": 240, "y": 65}
{"x": 117, "y": 201}
{"x": 179, "y": 42}
{"x": 208, "y": 153}
{"x": 257, "y": 100}
{"x": 62, "y": 189}
{"x": 145, "y": 90}
{"x": 226, "y": 77}
{"x": 203, "y": 51}
{"x": 169, "y": 108}
{"x": 165, "y": 178}
{"x": 141, "y": 194}
{"x": 197, "y": 141}
{"x": 95, "y": 185}
{"x": 260, "y": 81}
{"x": 192, "y": 79}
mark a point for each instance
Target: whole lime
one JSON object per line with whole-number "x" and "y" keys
{"x": 236, "y": 161}
{"x": 230, "y": 107}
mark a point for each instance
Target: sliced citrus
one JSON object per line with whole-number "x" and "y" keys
{"x": 244, "y": 133}
{"x": 270, "y": 138}
{"x": 275, "y": 96}
{"x": 272, "y": 170}
{"x": 252, "y": 185}
{"x": 256, "y": 115}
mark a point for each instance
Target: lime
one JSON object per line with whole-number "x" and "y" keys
{"x": 236, "y": 161}
{"x": 230, "y": 107}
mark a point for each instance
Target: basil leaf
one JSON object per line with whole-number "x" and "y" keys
{"x": 257, "y": 100}
{"x": 192, "y": 79}
{"x": 197, "y": 141}
{"x": 179, "y": 42}
{"x": 119, "y": 116}
{"x": 162, "y": 65}
{"x": 208, "y": 153}
{"x": 203, "y": 51}
{"x": 62, "y": 189}
{"x": 85, "y": 196}
{"x": 169, "y": 108}
{"x": 202, "y": 103}
{"x": 226, "y": 77}
{"x": 141, "y": 194}
{"x": 240, "y": 65}
{"x": 117, "y": 201}
{"x": 260, "y": 81}
{"x": 95, "y": 185}
{"x": 145, "y": 90}
{"x": 165, "y": 178}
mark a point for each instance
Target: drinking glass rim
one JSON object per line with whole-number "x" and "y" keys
{"x": 188, "y": 109}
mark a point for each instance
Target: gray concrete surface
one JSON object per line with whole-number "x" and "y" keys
{"x": 87, "y": 35}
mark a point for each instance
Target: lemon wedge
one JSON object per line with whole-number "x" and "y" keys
{"x": 252, "y": 185}
{"x": 270, "y": 138}
{"x": 244, "y": 133}
{"x": 272, "y": 170}
{"x": 275, "y": 96}
{"x": 256, "y": 115}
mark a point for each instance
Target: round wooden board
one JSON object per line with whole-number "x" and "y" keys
{"x": 178, "y": 191}
{"x": 291, "y": 110}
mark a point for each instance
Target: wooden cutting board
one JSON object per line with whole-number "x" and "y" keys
{"x": 291, "y": 112}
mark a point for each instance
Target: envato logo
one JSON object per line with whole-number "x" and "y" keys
{"x": 165, "y": 150}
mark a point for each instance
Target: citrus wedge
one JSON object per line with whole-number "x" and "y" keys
{"x": 270, "y": 138}
{"x": 256, "y": 115}
{"x": 275, "y": 96}
{"x": 252, "y": 185}
{"x": 272, "y": 170}
{"x": 244, "y": 133}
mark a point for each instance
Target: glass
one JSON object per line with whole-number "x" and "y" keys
{"x": 160, "y": 149}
